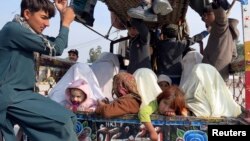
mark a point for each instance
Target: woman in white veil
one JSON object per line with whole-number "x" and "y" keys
{"x": 188, "y": 62}
{"x": 147, "y": 85}
{"x": 207, "y": 95}
{"x": 105, "y": 68}
{"x": 148, "y": 89}
{"x": 75, "y": 72}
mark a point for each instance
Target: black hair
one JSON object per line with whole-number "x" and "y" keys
{"x": 75, "y": 51}
{"x": 171, "y": 31}
{"x": 128, "y": 24}
{"x": 37, "y": 5}
{"x": 207, "y": 9}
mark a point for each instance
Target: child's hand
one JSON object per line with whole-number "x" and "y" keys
{"x": 184, "y": 112}
{"x": 89, "y": 111}
{"x": 170, "y": 113}
{"x": 105, "y": 100}
{"x": 101, "y": 103}
{"x": 153, "y": 136}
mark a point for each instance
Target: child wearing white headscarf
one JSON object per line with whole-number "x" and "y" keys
{"x": 148, "y": 89}
{"x": 147, "y": 85}
{"x": 164, "y": 81}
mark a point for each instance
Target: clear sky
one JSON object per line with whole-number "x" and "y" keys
{"x": 83, "y": 39}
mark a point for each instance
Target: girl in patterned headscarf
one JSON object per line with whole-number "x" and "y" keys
{"x": 128, "y": 100}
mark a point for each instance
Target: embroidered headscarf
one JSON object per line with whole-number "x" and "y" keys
{"x": 124, "y": 83}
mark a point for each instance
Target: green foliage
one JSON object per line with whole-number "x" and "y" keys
{"x": 94, "y": 54}
{"x": 240, "y": 50}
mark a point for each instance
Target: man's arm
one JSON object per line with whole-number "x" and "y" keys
{"x": 141, "y": 28}
{"x": 29, "y": 41}
{"x": 197, "y": 38}
{"x": 220, "y": 24}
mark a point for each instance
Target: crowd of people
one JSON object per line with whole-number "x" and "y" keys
{"x": 105, "y": 89}
{"x": 144, "y": 93}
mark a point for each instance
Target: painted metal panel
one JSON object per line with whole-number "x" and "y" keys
{"x": 129, "y": 128}
{"x": 246, "y": 32}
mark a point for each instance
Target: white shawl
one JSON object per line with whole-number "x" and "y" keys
{"x": 147, "y": 85}
{"x": 188, "y": 62}
{"x": 75, "y": 72}
{"x": 105, "y": 68}
{"x": 207, "y": 94}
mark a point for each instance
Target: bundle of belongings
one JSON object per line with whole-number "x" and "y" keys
{"x": 84, "y": 10}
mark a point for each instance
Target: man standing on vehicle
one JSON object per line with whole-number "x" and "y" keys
{"x": 39, "y": 117}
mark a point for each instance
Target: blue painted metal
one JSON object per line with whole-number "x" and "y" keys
{"x": 129, "y": 127}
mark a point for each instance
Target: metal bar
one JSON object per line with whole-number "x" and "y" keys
{"x": 111, "y": 49}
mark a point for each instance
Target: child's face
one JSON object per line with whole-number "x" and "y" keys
{"x": 165, "y": 109}
{"x": 163, "y": 85}
{"x": 72, "y": 57}
{"x": 208, "y": 18}
{"x": 77, "y": 96}
{"x": 38, "y": 21}
{"x": 132, "y": 31}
